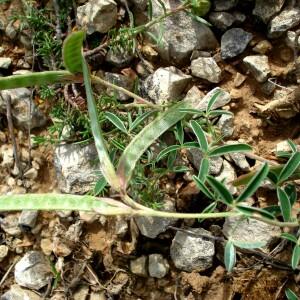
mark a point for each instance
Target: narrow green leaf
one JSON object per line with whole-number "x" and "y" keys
{"x": 139, "y": 119}
{"x": 198, "y": 131}
{"x": 254, "y": 184}
{"x": 116, "y": 121}
{"x": 249, "y": 211}
{"x": 212, "y": 100}
{"x": 192, "y": 111}
{"x": 249, "y": 245}
{"x": 208, "y": 209}
{"x": 190, "y": 145}
{"x": 223, "y": 193}
{"x": 150, "y": 10}
{"x": 203, "y": 169}
{"x": 221, "y": 150}
{"x": 145, "y": 138}
{"x": 289, "y": 237}
{"x": 203, "y": 188}
{"x": 72, "y": 52}
{"x": 291, "y": 191}
{"x": 180, "y": 169}
{"x": 166, "y": 151}
{"x": 218, "y": 112}
{"x": 179, "y": 133}
{"x": 285, "y": 204}
{"x": 292, "y": 145}
{"x": 107, "y": 168}
{"x": 99, "y": 186}
{"x": 229, "y": 256}
{"x": 290, "y": 295}
{"x": 295, "y": 257}
{"x": 290, "y": 167}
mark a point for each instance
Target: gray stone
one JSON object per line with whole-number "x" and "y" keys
{"x": 267, "y": 87}
{"x": 77, "y": 167}
{"x": 81, "y": 293}
{"x": 88, "y": 217}
{"x": 181, "y": 34}
{"x": 158, "y": 266}
{"x": 32, "y": 174}
{"x": 234, "y": 41}
{"x": 97, "y": 15}
{"x": 3, "y": 252}
{"x": 240, "y": 160}
{"x": 139, "y": 4}
{"x": 221, "y": 5}
{"x": 20, "y": 101}
{"x": 259, "y": 67}
{"x": 166, "y": 84}
{"x": 121, "y": 81}
{"x": 119, "y": 58}
{"x": 190, "y": 253}
{"x": 227, "y": 176}
{"x": 33, "y": 270}
{"x": 17, "y": 293}
{"x": 121, "y": 226}
{"x": 225, "y": 124}
{"x": 152, "y": 226}
{"x": 266, "y": 9}
{"x": 206, "y": 68}
{"x": 28, "y": 219}
{"x": 10, "y": 30}
{"x": 7, "y": 155}
{"x": 10, "y": 225}
{"x": 290, "y": 39}
{"x": 195, "y": 156}
{"x": 239, "y": 17}
{"x": 287, "y": 19}
{"x": 222, "y": 20}
{"x": 250, "y": 230}
{"x": 5, "y": 62}
{"x": 138, "y": 266}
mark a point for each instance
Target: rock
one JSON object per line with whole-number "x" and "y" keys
{"x": 46, "y": 246}
{"x": 250, "y": 230}
{"x": 3, "y": 252}
{"x": 32, "y": 173}
{"x": 267, "y": 87}
{"x": 239, "y": 79}
{"x": 138, "y": 266}
{"x": 97, "y": 15}
{"x": 158, "y": 266}
{"x": 33, "y": 271}
{"x": 238, "y": 17}
{"x": 81, "y": 293}
{"x": 226, "y": 126}
{"x": 121, "y": 226}
{"x": 122, "y": 81}
{"x": 287, "y": 19}
{"x": 152, "y": 226}
{"x": 88, "y": 217}
{"x": 27, "y": 219}
{"x": 222, "y": 20}
{"x": 266, "y": 9}
{"x": 7, "y": 156}
{"x": 5, "y": 62}
{"x": 259, "y": 67}
{"x": 240, "y": 160}
{"x": 234, "y": 41}
{"x": 98, "y": 296}
{"x": 119, "y": 58}
{"x": 10, "y": 225}
{"x": 17, "y": 293}
{"x": 75, "y": 167}
{"x": 290, "y": 39}
{"x": 166, "y": 84}
{"x": 263, "y": 47}
{"x": 140, "y": 4}
{"x": 181, "y": 34}
{"x": 195, "y": 156}
{"x": 11, "y": 30}
{"x": 227, "y": 176}
{"x": 206, "y": 68}
{"x": 20, "y": 101}
{"x": 190, "y": 253}
{"x": 221, "y": 5}
{"x": 284, "y": 147}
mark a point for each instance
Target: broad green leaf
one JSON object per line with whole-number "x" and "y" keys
{"x": 107, "y": 168}
{"x": 249, "y": 245}
{"x": 249, "y": 211}
{"x": 254, "y": 184}
{"x": 291, "y": 191}
{"x": 212, "y": 100}
{"x": 290, "y": 295}
{"x": 290, "y": 167}
{"x": 285, "y": 204}
{"x": 139, "y": 119}
{"x": 116, "y": 121}
{"x": 223, "y": 194}
{"x": 39, "y": 78}
{"x": 198, "y": 131}
{"x": 229, "y": 256}
{"x": 203, "y": 169}
{"x": 72, "y": 52}
{"x": 221, "y": 150}
{"x": 145, "y": 138}
{"x": 295, "y": 257}
{"x": 292, "y": 145}
{"x": 166, "y": 151}
{"x": 203, "y": 188}
{"x": 289, "y": 237}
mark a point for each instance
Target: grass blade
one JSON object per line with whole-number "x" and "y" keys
{"x": 116, "y": 121}
{"x": 290, "y": 295}
{"x": 290, "y": 167}
{"x": 229, "y": 256}
{"x": 145, "y": 138}
{"x": 289, "y": 237}
{"x": 198, "y": 131}
{"x": 221, "y": 150}
{"x": 139, "y": 120}
{"x": 203, "y": 188}
{"x": 254, "y": 183}
{"x": 292, "y": 145}
{"x": 166, "y": 151}
{"x": 285, "y": 204}
{"x": 220, "y": 190}
{"x": 295, "y": 257}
